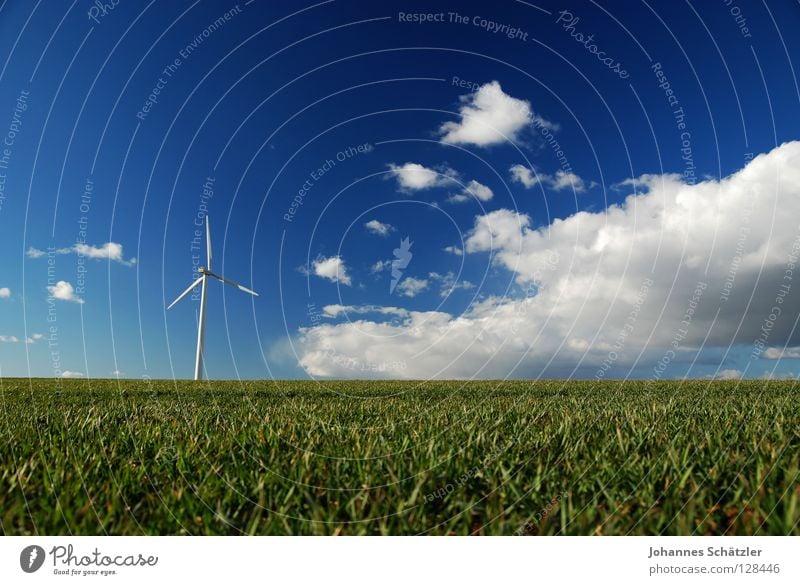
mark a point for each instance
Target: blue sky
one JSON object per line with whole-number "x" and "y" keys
{"x": 504, "y": 141}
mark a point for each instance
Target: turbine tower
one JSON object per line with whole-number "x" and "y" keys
{"x": 205, "y": 272}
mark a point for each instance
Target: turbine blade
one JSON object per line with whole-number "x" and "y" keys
{"x": 186, "y": 292}
{"x": 230, "y": 282}
{"x": 208, "y": 243}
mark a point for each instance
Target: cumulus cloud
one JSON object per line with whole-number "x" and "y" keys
{"x": 448, "y": 283}
{"x": 71, "y": 374}
{"x": 5, "y": 292}
{"x": 109, "y": 251}
{"x": 64, "y": 291}
{"x": 569, "y": 180}
{"x": 500, "y": 231}
{"x": 455, "y": 250}
{"x": 411, "y": 287}
{"x": 659, "y": 278}
{"x": 776, "y": 353}
{"x": 416, "y": 177}
{"x": 523, "y": 175}
{"x": 334, "y": 311}
{"x": 729, "y": 374}
{"x": 487, "y": 116}
{"x": 561, "y": 181}
{"x": 380, "y": 266}
{"x": 14, "y": 339}
{"x": 333, "y": 269}
{"x": 778, "y": 376}
{"x": 473, "y": 190}
{"x": 379, "y": 228}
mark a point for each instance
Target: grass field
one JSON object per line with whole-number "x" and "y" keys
{"x": 131, "y": 457}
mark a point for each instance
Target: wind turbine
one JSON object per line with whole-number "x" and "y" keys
{"x": 205, "y": 272}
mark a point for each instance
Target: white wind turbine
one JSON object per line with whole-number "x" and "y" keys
{"x": 204, "y": 274}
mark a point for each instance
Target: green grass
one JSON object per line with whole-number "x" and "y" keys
{"x": 131, "y": 457}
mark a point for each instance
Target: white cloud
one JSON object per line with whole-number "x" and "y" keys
{"x": 778, "y": 376}
{"x": 411, "y": 287}
{"x": 730, "y": 374}
{"x": 71, "y": 374}
{"x": 380, "y": 266}
{"x": 646, "y": 264}
{"x": 525, "y": 176}
{"x": 379, "y": 228}
{"x": 416, "y": 177}
{"x": 334, "y": 311}
{"x": 473, "y": 190}
{"x": 108, "y": 251}
{"x": 499, "y": 230}
{"x": 448, "y": 283}
{"x": 561, "y": 181}
{"x": 64, "y": 291}
{"x": 455, "y": 250}
{"x": 488, "y": 116}
{"x": 14, "y": 339}
{"x": 776, "y": 353}
{"x": 333, "y": 269}
{"x": 569, "y": 180}
{"x": 5, "y": 292}
{"x": 117, "y": 373}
